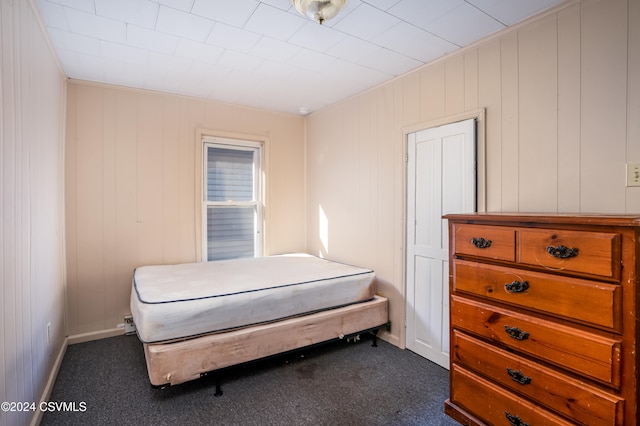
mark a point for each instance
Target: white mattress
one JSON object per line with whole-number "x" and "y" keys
{"x": 171, "y": 302}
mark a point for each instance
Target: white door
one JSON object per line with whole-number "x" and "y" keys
{"x": 441, "y": 179}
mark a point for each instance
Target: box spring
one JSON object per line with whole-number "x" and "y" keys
{"x": 178, "y": 362}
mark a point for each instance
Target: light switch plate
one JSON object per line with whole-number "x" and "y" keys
{"x": 633, "y": 174}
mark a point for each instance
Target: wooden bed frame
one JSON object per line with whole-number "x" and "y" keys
{"x": 181, "y": 361}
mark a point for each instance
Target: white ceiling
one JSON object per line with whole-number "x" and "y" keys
{"x": 264, "y": 53}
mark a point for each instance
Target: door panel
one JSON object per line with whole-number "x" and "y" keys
{"x": 440, "y": 180}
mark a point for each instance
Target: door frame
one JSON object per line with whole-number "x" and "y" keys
{"x": 481, "y": 185}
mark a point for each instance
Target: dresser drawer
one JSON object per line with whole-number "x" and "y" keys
{"x": 582, "y": 300}
{"x": 586, "y": 404}
{"x": 495, "y": 405}
{"x": 588, "y": 354}
{"x": 591, "y": 253}
{"x": 492, "y": 242}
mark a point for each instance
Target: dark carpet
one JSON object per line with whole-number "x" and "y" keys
{"x": 340, "y": 383}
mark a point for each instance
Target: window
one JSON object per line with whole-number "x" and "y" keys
{"x": 232, "y": 207}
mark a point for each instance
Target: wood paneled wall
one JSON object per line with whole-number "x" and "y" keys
{"x": 562, "y": 100}
{"x": 130, "y": 188}
{"x": 32, "y": 93}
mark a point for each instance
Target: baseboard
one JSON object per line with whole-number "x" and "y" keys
{"x": 70, "y": 340}
{"x": 46, "y": 393}
{"x": 95, "y": 335}
{"x": 390, "y": 338}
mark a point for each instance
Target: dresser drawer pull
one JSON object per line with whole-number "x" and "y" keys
{"x": 516, "y": 333}
{"x": 517, "y": 286}
{"x": 517, "y": 376}
{"x": 515, "y": 420}
{"x": 562, "y": 252}
{"x": 481, "y": 243}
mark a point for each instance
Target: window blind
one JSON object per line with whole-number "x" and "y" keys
{"x": 231, "y": 202}
{"x": 229, "y": 175}
{"x": 230, "y": 232}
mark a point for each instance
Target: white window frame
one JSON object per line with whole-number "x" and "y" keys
{"x": 258, "y": 203}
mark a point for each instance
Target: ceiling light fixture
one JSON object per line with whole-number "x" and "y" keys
{"x": 319, "y": 10}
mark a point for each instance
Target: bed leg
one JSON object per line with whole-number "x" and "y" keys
{"x": 217, "y": 375}
{"x": 218, "y": 387}
{"x": 375, "y": 332}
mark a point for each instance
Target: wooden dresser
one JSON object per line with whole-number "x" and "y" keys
{"x": 544, "y": 319}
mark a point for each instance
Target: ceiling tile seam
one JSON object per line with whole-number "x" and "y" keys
{"x": 241, "y": 27}
{"x": 155, "y": 27}
{"x": 255, "y": 9}
{"x": 66, "y": 17}
{"x": 389, "y": 12}
{"x": 365, "y": 66}
{"x": 173, "y": 52}
{"x": 155, "y": 21}
{"x": 487, "y": 14}
{"x": 251, "y": 15}
{"x": 337, "y": 58}
{"x": 429, "y": 32}
{"x": 381, "y": 9}
{"x": 177, "y": 37}
{"x": 347, "y": 35}
{"x": 419, "y": 29}
{"x": 215, "y": 23}
{"x": 126, "y": 24}
{"x": 166, "y": 6}
{"x": 401, "y": 21}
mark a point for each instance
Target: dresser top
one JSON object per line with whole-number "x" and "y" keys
{"x": 557, "y": 218}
